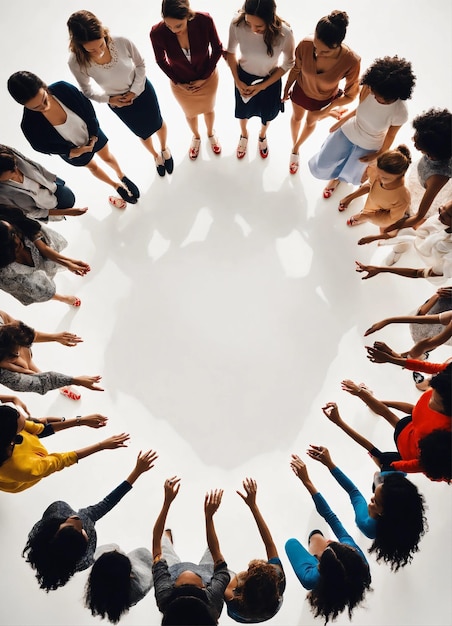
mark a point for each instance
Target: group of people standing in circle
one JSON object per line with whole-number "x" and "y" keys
{"x": 323, "y": 77}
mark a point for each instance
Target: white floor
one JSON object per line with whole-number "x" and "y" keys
{"x": 222, "y": 312}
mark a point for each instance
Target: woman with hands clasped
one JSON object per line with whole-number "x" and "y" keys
{"x": 336, "y": 572}
{"x": 64, "y": 540}
{"x": 59, "y": 119}
{"x": 394, "y": 517}
{"x": 24, "y": 461}
{"x": 187, "y": 48}
{"x": 256, "y": 594}
{"x": 118, "y": 68}
{"x": 186, "y": 593}
{"x": 262, "y": 38}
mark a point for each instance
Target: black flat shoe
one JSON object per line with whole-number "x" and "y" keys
{"x": 161, "y": 171}
{"x": 121, "y": 191}
{"x": 168, "y": 162}
{"x": 131, "y": 186}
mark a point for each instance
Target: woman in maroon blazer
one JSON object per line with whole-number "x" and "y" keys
{"x": 187, "y": 49}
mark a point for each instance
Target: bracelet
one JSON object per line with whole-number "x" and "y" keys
{"x": 78, "y": 420}
{"x": 63, "y": 419}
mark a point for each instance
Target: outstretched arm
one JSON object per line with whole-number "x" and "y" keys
{"x": 332, "y": 413}
{"x": 171, "y": 488}
{"x": 250, "y": 487}
{"x": 377, "y": 406}
{"x": 211, "y": 503}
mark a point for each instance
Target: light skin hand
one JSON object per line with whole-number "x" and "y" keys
{"x": 332, "y": 412}
{"x": 299, "y": 469}
{"x": 76, "y": 211}
{"x": 95, "y": 420}
{"x": 369, "y": 157}
{"x": 250, "y": 487}
{"x": 351, "y": 387}
{"x": 171, "y": 488}
{"x": 68, "y": 339}
{"x": 375, "y": 327}
{"x": 90, "y": 382}
{"x": 116, "y": 441}
{"x": 145, "y": 461}
{"x": 212, "y": 502}
{"x": 321, "y": 454}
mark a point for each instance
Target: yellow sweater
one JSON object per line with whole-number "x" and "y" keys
{"x": 30, "y": 461}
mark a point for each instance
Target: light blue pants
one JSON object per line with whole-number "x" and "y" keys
{"x": 339, "y": 158}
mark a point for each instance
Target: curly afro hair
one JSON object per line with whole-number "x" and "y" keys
{"x": 434, "y": 133}
{"x": 391, "y": 78}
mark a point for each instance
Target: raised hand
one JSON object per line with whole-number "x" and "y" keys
{"x": 145, "y": 461}
{"x": 351, "y": 387}
{"x": 332, "y": 412}
{"x": 212, "y": 502}
{"x": 171, "y": 487}
{"x": 299, "y": 468}
{"x": 321, "y": 454}
{"x": 250, "y": 486}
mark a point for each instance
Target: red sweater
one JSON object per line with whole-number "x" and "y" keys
{"x": 205, "y": 48}
{"x": 424, "y": 421}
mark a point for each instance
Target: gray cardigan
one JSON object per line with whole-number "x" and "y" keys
{"x": 10, "y": 195}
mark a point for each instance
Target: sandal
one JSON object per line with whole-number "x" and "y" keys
{"x": 294, "y": 163}
{"x": 341, "y": 207}
{"x": 263, "y": 147}
{"x": 133, "y": 189}
{"x": 168, "y": 161}
{"x": 68, "y": 392}
{"x": 241, "y": 148}
{"x": 215, "y": 144}
{"x": 117, "y": 203}
{"x": 160, "y": 165}
{"x": 125, "y": 195}
{"x": 328, "y": 191}
{"x": 194, "y": 148}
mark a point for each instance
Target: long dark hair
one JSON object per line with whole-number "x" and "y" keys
{"x": 107, "y": 591}
{"x": 266, "y": 11}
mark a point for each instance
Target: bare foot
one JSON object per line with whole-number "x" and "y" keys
{"x": 71, "y": 300}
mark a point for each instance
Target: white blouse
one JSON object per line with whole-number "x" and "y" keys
{"x": 253, "y": 51}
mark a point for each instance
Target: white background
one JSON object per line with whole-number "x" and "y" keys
{"x": 222, "y": 312}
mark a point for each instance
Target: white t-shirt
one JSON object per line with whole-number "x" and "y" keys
{"x": 368, "y": 128}
{"x": 253, "y": 51}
